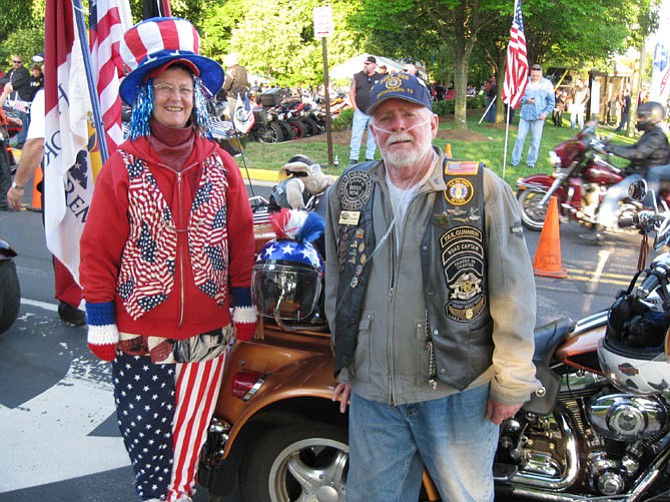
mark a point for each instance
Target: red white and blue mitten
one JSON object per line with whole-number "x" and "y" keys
{"x": 103, "y": 335}
{"x": 244, "y": 314}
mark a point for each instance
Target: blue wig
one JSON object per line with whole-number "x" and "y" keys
{"x": 143, "y": 107}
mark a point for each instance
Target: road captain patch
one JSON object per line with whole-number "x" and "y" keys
{"x": 355, "y": 190}
{"x": 462, "y": 252}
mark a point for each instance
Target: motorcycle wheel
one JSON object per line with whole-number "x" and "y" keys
{"x": 316, "y": 126}
{"x": 289, "y": 132}
{"x": 532, "y": 215}
{"x": 297, "y": 462}
{"x": 271, "y": 133}
{"x": 10, "y": 294}
{"x": 298, "y": 128}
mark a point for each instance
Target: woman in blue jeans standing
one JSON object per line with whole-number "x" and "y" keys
{"x": 537, "y": 104}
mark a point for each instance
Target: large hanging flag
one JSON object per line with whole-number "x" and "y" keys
{"x": 68, "y": 177}
{"x": 108, "y": 19}
{"x": 660, "y": 74}
{"x": 516, "y": 68}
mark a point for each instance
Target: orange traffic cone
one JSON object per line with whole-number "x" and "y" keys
{"x": 37, "y": 196}
{"x": 548, "y": 262}
{"x": 447, "y": 150}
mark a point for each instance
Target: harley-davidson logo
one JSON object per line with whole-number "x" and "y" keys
{"x": 628, "y": 369}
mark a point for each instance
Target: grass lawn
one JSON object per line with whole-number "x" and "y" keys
{"x": 482, "y": 142}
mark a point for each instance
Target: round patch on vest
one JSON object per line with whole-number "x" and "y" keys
{"x": 355, "y": 190}
{"x": 459, "y": 191}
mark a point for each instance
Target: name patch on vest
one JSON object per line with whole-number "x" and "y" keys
{"x": 462, "y": 252}
{"x": 355, "y": 190}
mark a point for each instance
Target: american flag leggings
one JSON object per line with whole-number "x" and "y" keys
{"x": 163, "y": 412}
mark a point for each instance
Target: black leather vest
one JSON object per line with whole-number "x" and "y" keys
{"x": 453, "y": 264}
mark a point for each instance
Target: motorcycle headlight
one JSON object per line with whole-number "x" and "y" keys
{"x": 554, "y": 159}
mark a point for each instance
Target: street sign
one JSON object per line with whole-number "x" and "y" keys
{"x": 323, "y": 21}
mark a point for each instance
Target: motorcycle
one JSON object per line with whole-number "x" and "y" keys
{"x": 10, "y": 289}
{"x": 277, "y": 432}
{"x": 581, "y": 437}
{"x": 580, "y": 180}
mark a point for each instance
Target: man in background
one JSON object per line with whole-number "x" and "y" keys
{"x": 68, "y": 292}
{"x": 359, "y": 97}
{"x": 236, "y": 82}
{"x": 537, "y": 104}
{"x": 580, "y": 97}
{"x": 21, "y": 95}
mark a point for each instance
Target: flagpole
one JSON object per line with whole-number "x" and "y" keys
{"x": 90, "y": 81}
{"x": 487, "y": 109}
{"x": 506, "y": 138}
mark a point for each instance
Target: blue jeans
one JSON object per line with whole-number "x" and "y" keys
{"x": 535, "y": 127}
{"x": 360, "y": 125}
{"x": 20, "y": 137}
{"x": 607, "y": 212}
{"x": 389, "y": 446}
{"x": 654, "y": 177}
{"x": 491, "y": 113}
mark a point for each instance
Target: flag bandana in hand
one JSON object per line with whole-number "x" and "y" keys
{"x": 516, "y": 69}
{"x": 243, "y": 116}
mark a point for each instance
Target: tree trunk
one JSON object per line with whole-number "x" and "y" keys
{"x": 500, "y": 81}
{"x": 461, "y": 84}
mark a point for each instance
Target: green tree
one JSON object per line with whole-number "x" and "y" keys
{"x": 576, "y": 30}
{"x": 555, "y": 33}
{"x": 21, "y": 29}
{"x": 279, "y": 43}
{"x": 453, "y": 24}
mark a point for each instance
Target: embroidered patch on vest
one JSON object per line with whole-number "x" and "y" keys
{"x": 355, "y": 190}
{"x": 462, "y": 168}
{"x": 516, "y": 229}
{"x": 459, "y": 191}
{"x": 462, "y": 251}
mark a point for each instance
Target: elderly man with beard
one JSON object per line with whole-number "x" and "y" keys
{"x": 431, "y": 302}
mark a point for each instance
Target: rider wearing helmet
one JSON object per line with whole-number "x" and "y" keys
{"x": 657, "y": 173}
{"x": 652, "y": 150}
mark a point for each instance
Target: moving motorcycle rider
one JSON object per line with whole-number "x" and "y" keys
{"x": 652, "y": 150}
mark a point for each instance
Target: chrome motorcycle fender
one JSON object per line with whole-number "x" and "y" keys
{"x": 540, "y": 182}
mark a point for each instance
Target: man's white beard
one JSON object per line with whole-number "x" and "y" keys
{"x": 403, "y": 159}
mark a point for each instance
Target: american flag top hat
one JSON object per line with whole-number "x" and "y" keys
{"x": 154, "y": 43}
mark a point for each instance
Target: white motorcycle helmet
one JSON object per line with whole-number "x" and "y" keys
{"x": 634, "y": 353}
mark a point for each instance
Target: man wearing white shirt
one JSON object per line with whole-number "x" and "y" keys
{"x": 68, "y": 291}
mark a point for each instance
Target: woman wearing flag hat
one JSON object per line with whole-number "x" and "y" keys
{"x": 166, "y": 254}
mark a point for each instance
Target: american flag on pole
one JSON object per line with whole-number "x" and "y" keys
{"x": 108, "y": 19}
{"x": 516, "y": 68}
{"x": 68, "y": 177}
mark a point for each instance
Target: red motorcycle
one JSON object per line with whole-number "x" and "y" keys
{"x": 580, "y": 180}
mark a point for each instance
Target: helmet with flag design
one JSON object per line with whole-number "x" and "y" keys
{"x": 288, "y": 273}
